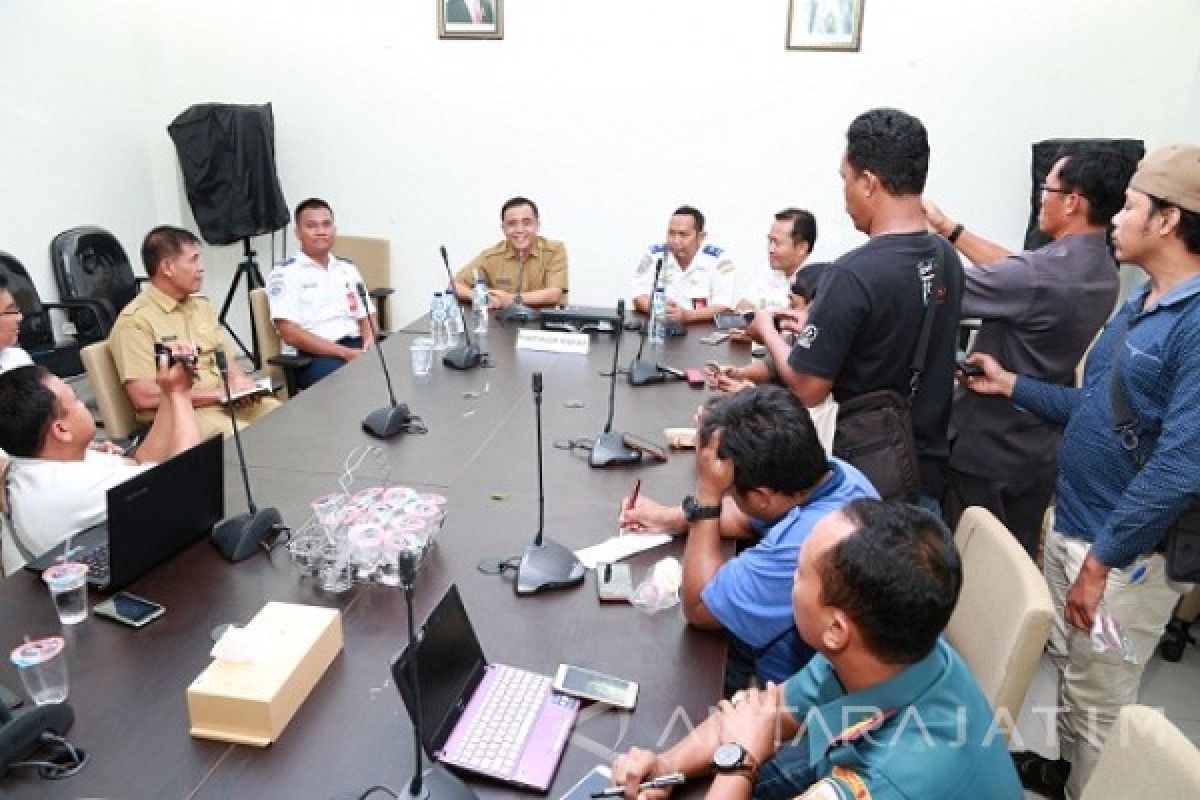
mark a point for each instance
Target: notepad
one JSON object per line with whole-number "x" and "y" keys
{"x": 618, "y": 547}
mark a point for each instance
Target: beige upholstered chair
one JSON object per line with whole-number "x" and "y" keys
{"x": 1003, "y": 617}
{"x": 1145, "y": 756}
{"x": 276, "y": 366}
{"x": 373, "y": 257}
{"x": 115, "y": 409}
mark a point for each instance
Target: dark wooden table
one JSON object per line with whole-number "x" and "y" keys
{"x": 128, "y": 686}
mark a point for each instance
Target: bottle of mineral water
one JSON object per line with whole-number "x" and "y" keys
{"x": 479, "y": 308}
{"x": 437, "y": 323}
{"x": 658, "y": 318}
{"x": 454, "y": 317}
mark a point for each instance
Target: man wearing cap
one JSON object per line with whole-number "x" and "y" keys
{"x": 1040, "y": 311}
{"x": 1118, "y": 492}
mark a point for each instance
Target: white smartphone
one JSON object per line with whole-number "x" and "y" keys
{"x": 592, "y": 685}
{"x": 599, "y": 778}
{"x": 129, "y": 609}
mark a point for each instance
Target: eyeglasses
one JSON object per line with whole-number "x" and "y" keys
{"x": 1045, "y": 188}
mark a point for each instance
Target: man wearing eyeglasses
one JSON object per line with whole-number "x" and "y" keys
{"x": 1040, "y": 310}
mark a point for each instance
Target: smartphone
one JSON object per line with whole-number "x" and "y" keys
{"x": 644, "y": 446}
{"x": 968, "y": 369}
{"x": 599, "y": 778}
{"x": 694, "y": 377}
{"x": 129, "y": 609}
{"x": 731, "y": 321}
{"x": 614, "y": 583}
{"x": 592, "y": 685}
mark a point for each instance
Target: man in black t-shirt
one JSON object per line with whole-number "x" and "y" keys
{"x": 861, "y": 332}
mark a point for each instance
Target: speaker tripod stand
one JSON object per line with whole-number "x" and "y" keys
{"x": 247, "y": 267}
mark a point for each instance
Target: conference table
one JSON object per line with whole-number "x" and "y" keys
{"x": 127, "y": 686}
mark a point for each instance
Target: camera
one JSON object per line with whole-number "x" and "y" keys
{"x": 187, "y": 360}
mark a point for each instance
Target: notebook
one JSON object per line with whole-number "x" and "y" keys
{"x": 490, "y": 719}
{"x": 151, "y": 517}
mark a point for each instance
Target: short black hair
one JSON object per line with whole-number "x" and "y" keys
{"x": 1189, "y": 223}
{"x": 804, "y": 225}
{"x": 3, "y": 281}
{"x": 891, "y": 144}
{"x": 694, "y": 213}
{"x": 306, "y": 205}
{"x": 27, "y": 407}
{"x": 514, "y": 202}
{"x": 1101, "y": 174}
{"x": 769, "y": 436}
{"x": 165, "y": 241}
{"x": 897, "y": 577}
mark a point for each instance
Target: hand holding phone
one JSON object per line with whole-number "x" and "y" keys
{"x": 969, "y": 369}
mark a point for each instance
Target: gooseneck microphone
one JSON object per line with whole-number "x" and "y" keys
{"x": 393, "y": 419}
{"x": 433, "y": 782}
{"x": 609, "y": 448}
{"x": 517, "y": 311}
{"x": 466, "y": 355}
{"x": 238, "y": 538}
{"x": 546, "y": 564}
{"x": 644, "y": 372}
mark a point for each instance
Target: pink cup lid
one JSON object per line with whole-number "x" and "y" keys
{"x": 369, "y": 535}
{"x": 424, "y": 511}
{"x": 68, "y": 573}
{"x": 409, "y": 524}
{"x": 31, "y": 654}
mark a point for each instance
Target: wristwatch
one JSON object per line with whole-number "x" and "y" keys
{"x": 733, "y": 759}
{"x": 693, "y": 511}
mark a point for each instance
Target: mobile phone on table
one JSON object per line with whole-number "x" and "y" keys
{"x": 614, "y": 583}
{"x": 591, "y": 685}
{"x": 730, "y": 321}
{"x": 129, "y": 609}
{"x": 716, "y": 337}
{"x": 694, "y": 377}
{"x": 645, "y": 446}
{"x": 599, "y": 778}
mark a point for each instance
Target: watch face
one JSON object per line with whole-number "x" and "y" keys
{"x": 728, "y": 756}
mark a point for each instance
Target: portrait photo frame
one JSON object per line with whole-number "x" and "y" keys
{"x": 470, "y": 19}
{"x": 834, "y": 25}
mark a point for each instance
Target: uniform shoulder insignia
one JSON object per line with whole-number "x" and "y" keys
{"x": 864, "y": 726}
{"x": 658, "y": 248}
{"x": 713, "y": 250}
{"x": 286, "y": 261}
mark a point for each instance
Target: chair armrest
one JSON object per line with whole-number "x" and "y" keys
{"x": 381, "y": 292}
{"x": 289, "y": 362}
{"x": 96, "y": 309}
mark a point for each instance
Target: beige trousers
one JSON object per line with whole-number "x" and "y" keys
{"x": 1094, "y": 686}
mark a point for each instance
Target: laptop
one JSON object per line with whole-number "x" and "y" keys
{"x": 151, "y": 517}
{"x": 490, "y": 719}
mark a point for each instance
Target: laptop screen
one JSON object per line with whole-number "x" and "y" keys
{"x": 450, "y": 665}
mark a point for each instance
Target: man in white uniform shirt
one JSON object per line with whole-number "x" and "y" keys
{"x": 699, "y": 279}
{"x": 314, "y": 298}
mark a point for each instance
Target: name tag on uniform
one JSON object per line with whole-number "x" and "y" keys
{"x": 553, "y": 341}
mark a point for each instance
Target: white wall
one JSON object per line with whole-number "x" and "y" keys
{"x": 607, "y": 119}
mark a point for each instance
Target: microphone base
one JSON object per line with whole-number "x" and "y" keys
{"x": 438, "y": 783}
{"x": 644, "y": 372}
{"x": 238, "y": 538}
{"x": 547, "y": 566}
{"x": 387, "y": 422}
{"x": 517, "y": 312}
{"x": 467, "y": 356}
{"x": 610, "y": 450}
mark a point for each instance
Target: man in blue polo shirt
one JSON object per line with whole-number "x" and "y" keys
{"x": 759, "y": 448}
{"x": 885, "y": 710}
{"x": 1119, "y": 491}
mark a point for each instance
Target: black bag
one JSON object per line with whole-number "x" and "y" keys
{"x": 1181, "y": 547}
{"x": 874, "y": 433}
{"x": 874, "y": 430}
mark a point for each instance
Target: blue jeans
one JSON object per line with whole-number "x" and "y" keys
{"x": 323, "y": 365}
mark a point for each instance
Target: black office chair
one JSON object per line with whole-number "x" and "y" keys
{"x": 36, "y": 336}
{"x": 90, "y": 264}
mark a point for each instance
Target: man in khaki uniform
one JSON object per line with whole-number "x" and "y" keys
{"x": 544, "y": 281}
{"x": 168, "y": 310}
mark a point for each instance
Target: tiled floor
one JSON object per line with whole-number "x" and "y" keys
{"x": 1173, "y": 688}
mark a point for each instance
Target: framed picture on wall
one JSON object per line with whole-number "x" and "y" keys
{"x": 824, "y": 24}
{"x": 470, "y": 19}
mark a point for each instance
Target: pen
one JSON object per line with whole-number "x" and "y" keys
{"x": 661, "y": 782}
{"x": 637, "y": 487}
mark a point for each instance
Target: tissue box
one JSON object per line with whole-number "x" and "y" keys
{"x": 252, "y": 703}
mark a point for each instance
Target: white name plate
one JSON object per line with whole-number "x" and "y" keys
{"x": 553, "y": 341}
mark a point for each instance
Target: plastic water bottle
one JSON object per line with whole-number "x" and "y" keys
{"x": 658, "y": 318}
{"x": 479, "y": 308}
{"x": 437, "y": 323}
{"x": 454, "y": 318}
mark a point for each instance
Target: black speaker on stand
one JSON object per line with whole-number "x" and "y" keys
{"x": 227, "y": 156}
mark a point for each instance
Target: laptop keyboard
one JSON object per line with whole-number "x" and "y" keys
{"x": 97, "y": 564}
{"x": 497, "y": 735}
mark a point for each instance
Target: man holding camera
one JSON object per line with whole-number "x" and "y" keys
{"x": 170, "y": 311}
